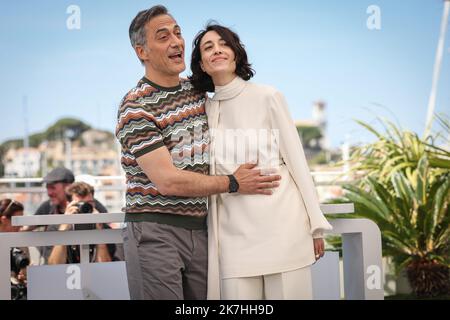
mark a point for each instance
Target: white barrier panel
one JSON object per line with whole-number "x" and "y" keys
{"x": 326, "y": 277}
{"x": 87, "y": 281}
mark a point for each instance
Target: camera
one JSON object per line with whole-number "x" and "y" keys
{"x": 84, "y": 207}
{"x": 19, "y": 260}
{"x": 18, "y": 292}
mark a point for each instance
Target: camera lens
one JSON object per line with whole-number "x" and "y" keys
{"x": 85, "y": 207}
{"x": 18, "y": 260}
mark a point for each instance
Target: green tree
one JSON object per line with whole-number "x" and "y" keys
{"x": 58, "y": 130}
{"x": 309, "y": 134}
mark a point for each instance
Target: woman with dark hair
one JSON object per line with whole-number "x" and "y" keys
{"x": 20, "y": 257}
{"x": 8, "y": 209}
{"x": 259, "y": 247}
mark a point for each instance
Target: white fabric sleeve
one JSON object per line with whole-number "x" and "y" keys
{"x": 293, "y": 155}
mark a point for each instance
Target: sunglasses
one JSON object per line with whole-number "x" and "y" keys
{"x": 10, "y": 205}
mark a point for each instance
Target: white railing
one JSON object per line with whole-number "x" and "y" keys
{"x": 362, "y": 260}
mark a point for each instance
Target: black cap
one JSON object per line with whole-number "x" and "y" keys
{"x": 59, "y": 175}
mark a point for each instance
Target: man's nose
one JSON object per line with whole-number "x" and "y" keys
{"x": 176, "y": 42}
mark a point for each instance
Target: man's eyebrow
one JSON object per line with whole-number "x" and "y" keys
{"x": 165, "y": 29}
{"x": 162, "y": 30}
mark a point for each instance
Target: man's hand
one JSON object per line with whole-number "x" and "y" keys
{"x": 27, "y": 228}
{"x": 252, "y": 182}
{"x": 22, "y": 275}
{"x": 319, "y": 248}
{"x": 70, "y": 209}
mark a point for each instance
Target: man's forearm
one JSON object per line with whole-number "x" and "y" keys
{"x": 58, "y": 255}
{"x": 172, "y": 181}
{"x": 102, "y": 253}
{"x": 191, "y": 184}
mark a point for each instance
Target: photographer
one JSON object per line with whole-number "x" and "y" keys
{"x": 81, "y": 200}
{"x": 20, "y": 257}
{"x": 56, "y": 182}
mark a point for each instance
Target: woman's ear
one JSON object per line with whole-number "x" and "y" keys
{"x": 201, "y": 66}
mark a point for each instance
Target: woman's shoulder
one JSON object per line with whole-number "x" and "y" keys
{"x": 268, "y": 95}
{"x": 267, "y": 91}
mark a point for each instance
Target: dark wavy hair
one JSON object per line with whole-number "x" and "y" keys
{"x": 200, "y": 79}
{"x": 8, "y": 207}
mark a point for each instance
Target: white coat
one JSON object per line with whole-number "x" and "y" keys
{"x": 250, "y": 235}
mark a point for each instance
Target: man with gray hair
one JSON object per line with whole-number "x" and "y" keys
{"x": 163, "y": 131}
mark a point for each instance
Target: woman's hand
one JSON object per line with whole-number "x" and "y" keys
{"x": 319, "y": 248}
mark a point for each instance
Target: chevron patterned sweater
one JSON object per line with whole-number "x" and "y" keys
{"x": 151, "y": 117}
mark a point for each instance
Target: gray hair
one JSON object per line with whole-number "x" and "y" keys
{"x": 137, "y": 30}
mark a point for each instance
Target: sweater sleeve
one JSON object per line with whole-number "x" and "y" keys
{"x": 136, "y": 129}
{"x": 292, "y": 152}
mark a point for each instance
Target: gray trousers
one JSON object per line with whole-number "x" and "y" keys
{"x": 165, "y": 262}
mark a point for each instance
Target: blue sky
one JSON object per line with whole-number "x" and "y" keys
{"x": 309, "y": 50}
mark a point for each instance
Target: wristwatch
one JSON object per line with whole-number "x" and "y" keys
{"x": 234, "y": 185}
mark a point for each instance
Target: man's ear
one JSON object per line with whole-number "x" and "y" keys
{"x": 141, "y": 52}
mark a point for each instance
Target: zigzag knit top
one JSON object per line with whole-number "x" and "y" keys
{"x": 150, "y": 117}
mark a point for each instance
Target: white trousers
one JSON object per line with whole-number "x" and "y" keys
{"x": 292, "y": 285}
